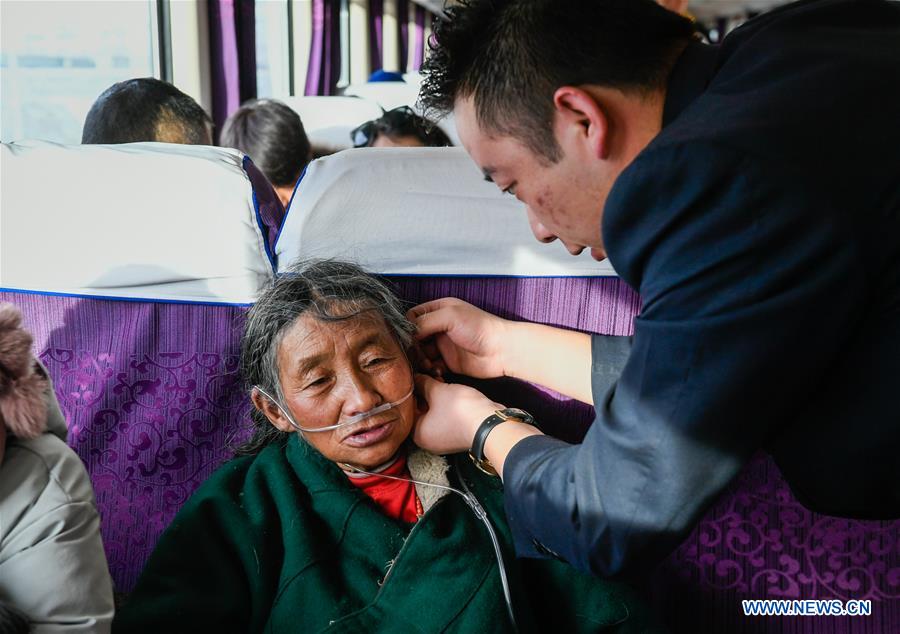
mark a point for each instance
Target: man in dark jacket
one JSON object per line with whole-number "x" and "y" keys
{"x": 751, "y": 193}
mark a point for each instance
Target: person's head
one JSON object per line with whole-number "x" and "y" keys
{"x": 329, "y": 341}
{"x": 400, "y": 127}
{"x": 272, "y": 135}
{"x": 553, "y": 98}
{"x": 146, "y": 109}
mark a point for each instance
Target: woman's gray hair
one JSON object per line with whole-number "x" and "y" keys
{"x": 329, "y": 290}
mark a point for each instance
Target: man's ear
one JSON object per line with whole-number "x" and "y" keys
{"x": 584, "y": 118}
{"x": 271, "y": 411}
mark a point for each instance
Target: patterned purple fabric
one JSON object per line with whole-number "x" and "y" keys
{"x": 758, "y": 542}
{"x": 152, "y": 399}
{"x": 152, "y": 396}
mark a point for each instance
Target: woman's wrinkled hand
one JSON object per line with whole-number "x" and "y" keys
{"x": 461, "y": 338}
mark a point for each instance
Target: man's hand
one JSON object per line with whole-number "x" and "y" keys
{"x": 453, "y": 416}
{"x": 466, "y": 340}
{"x": 461, "y": 338}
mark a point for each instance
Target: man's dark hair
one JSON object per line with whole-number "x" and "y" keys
{"x": 510, "y": 56}
{"x": 272, "y": 135}
{"x": 146, "y": 109}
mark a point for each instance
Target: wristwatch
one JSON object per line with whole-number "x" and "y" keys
{"x": 476, "y": 453}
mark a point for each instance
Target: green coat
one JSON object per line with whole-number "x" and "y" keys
{"x": 282, "y": 542}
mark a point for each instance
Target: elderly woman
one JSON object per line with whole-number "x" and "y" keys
{"x": 320, "y": 527}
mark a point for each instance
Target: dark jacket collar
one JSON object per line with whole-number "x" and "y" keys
{"x": 690, "y": 77}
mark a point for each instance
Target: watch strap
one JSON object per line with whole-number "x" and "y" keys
{"x": 476, "y": 453}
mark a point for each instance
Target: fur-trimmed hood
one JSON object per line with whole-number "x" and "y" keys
{"x": 28, "y": 407}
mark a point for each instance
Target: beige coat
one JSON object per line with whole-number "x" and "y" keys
{"x": 52, "y": 564}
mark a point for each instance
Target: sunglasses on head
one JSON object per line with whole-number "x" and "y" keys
{"x": 400, "y": 120}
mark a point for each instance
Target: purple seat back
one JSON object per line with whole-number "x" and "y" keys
{"x": 756, "y": 542}
{"x": 152, "y": 398}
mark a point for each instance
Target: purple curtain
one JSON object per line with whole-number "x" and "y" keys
{"x": 324, "y": 67}
{"x": 403, "y": 22}
{"x": 376, "y": 35}
{"x": 419, "y": 45}
{"x": 232, "y": 44}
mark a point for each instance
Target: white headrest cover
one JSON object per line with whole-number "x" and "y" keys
{"x": 387, "y": 94}
{"x": 329, "y": 120}
{"x": 140, "y": 220}
{"x": 417, "y": 211}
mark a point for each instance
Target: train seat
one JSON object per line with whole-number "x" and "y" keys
{"x": 426, "y": 219}
{"x": 133, "y": 266}
{"x": 387, "y": 94}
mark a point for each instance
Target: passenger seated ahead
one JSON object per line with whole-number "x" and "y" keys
{"x": 53, "y": 572}
{"x": 291, "y": 538}
{"x": 146, "y": 109}
{"x": 400, "y": 127}
{"x": 272, "y": 135}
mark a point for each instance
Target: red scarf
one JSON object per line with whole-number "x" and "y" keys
{"x": 397, "y": 498}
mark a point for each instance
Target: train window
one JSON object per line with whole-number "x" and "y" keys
{"x": 272, "y": 48}
{"x": 58, "y": 57}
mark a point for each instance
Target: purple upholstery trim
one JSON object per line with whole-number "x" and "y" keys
{"x": 419, "y": 45}
{"x": 152, "y": 399}
{"x": 269, "y": 209}
{"x": 403, "y": 22}
{"x": 316, "y": 49}
{"x": 376, "y": 35}
{"x": 119, "y": 298}
{"x": 600, "y": 304}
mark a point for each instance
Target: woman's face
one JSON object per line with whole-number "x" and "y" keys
{"x": 331, "y": 371}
